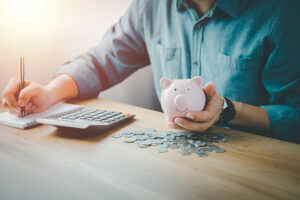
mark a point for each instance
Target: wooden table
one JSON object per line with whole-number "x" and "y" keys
{"x": 48, "y": 163}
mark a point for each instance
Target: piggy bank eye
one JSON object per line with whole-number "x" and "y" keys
{"x": 188, "y": 89}
{"x": 175, "y": 89}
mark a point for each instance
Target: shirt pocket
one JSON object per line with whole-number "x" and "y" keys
{"x": 165, "y": 60}
{"x": 238, "y": 78}
{"x": 231, "y": 63}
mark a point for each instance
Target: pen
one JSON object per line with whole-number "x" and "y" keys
{"x": 22, "y": 75}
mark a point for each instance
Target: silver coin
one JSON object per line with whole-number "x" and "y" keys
{"x": 138, "y": 132}
{"x": 180, "y": 138}
{"x": 180, "y": 134}
{"x": 158, "y": 141}
{"x": 142, "y": 145}
{"x": 185, "y": 147}
{"x": 116, "y": 135}
{"x": 205, "y": 149}
{"x": 146, "y": 142}
{"x": 193, "y": 150}
{"x": 199, "y": 143}
{"x": 219, "y": 150}
{"x": 162, "y": 148}
{"x": 170, "y": 132}
{"x": 173, "y": 146}
{"x": 126, "y": 132}
{"x": 128, "y": 136}
{"x": 149, "y": 130}
{"x": 168, "y": 138}
{"x": 201, "y": 154}
{"x": 160, "y": 135}
{"x": 150, "y": 134}
{"x": 141, "y": 137}
{"x": 184, "y": 152}
{"x": 212, "y": 146}
{"x": 129, "y": 140}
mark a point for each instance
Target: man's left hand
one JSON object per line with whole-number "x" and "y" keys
{"x": 202, "y": 120}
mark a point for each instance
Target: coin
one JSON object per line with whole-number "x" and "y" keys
{"x": 116, "y": 135}
{"x": 126, "y": 132}
{"x": 138, "y": 132}
{"x": 219, "y": 150}
{"x": 187, "y": 143}
{"x": 162, "y": 148}
{"x": 201, "y": 154}
{"x": 205, "y": 149}
{"x": 184, "y": 152}
{"x": 149, "y": 130}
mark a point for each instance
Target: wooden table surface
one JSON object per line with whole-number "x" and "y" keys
{"x": 50, "y": 163}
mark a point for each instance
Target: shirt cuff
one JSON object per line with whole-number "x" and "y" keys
{"x": 285, "y": 122}
{"x": 87, "y": 81}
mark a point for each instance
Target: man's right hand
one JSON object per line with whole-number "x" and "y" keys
{"x": 34, "y": 97}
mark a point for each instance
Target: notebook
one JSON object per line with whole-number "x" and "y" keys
{"x": 30, "y": 120}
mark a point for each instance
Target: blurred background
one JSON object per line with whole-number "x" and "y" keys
{"x": 50, "y": 32}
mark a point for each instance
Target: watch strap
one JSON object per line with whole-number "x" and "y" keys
{"x": 227, "y": 113}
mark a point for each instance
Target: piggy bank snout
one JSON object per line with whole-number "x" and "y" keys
{"x": 180, "y": 100}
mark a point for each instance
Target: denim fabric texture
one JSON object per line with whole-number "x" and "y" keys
{"x": 249, "y": 48}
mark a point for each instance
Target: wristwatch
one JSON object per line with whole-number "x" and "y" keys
{"x": 227, "y": 113}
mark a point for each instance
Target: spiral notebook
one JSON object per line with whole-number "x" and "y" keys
{"x": 30, "y": 120}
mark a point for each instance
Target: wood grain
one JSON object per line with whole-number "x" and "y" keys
{"x": 49, "y": 163}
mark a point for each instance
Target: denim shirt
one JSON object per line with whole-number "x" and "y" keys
{"x": 249, "y": 48}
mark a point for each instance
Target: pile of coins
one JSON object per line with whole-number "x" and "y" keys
{"x": 187, "y": 143}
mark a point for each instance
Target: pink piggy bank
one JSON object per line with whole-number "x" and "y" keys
{"x": 181, "y": 96}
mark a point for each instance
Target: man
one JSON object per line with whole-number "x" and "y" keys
{"x": 247, "y": 50}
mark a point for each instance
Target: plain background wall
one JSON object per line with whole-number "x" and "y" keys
{"x": 50, "y": 32}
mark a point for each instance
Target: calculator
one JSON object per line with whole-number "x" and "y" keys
{"x": 84, "y": 118}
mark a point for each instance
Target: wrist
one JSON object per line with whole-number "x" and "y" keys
{"x": 228, "y": 111}
{"x": 53, "y": 93}
{"x": 63, "y": 87}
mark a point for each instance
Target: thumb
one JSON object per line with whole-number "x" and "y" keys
{"x": 209, "y": 89}
{"x": 27, "y": 93}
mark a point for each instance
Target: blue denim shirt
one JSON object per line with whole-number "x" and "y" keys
{"x": 249, "y": 48}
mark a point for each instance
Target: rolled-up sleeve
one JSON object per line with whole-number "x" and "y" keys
{"x": 121, "y": 52}
{"x": 281, "y": 76}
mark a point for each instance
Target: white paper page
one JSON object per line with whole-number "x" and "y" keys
{"x": 11, "y": 120}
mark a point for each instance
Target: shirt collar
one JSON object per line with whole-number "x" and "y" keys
{"x": 181, "y": 5}
{"x": 231, "y": 7}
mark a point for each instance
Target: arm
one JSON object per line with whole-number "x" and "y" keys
{"x": 62, "y": 87}
{"x": 35, "y": 97}
{"x": 121, "y": 52}
{"x": 246, "y": 115}
{"x": 250, "y": 116}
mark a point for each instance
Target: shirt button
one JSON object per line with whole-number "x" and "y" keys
{"x": 195, "y": 63}
{"x": 198, "y": 26}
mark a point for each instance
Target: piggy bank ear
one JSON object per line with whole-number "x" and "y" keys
{"x": 165, "y": 82}
{"x": 198, "y": 80}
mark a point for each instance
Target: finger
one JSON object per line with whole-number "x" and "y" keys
{"x": 28, "y": 108}
{"x": 4, "y": 104}
{"x": 14, "y": 112}
{"x": 13, "y": 86}
{"x": 173, "y": 125}
{"x": 202, "y": 116}
{"x": 209, "y": 89}
{"x": 194, "y": 126}
{"x": 10, "y": 102}
{"x": 27, "y": 93}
